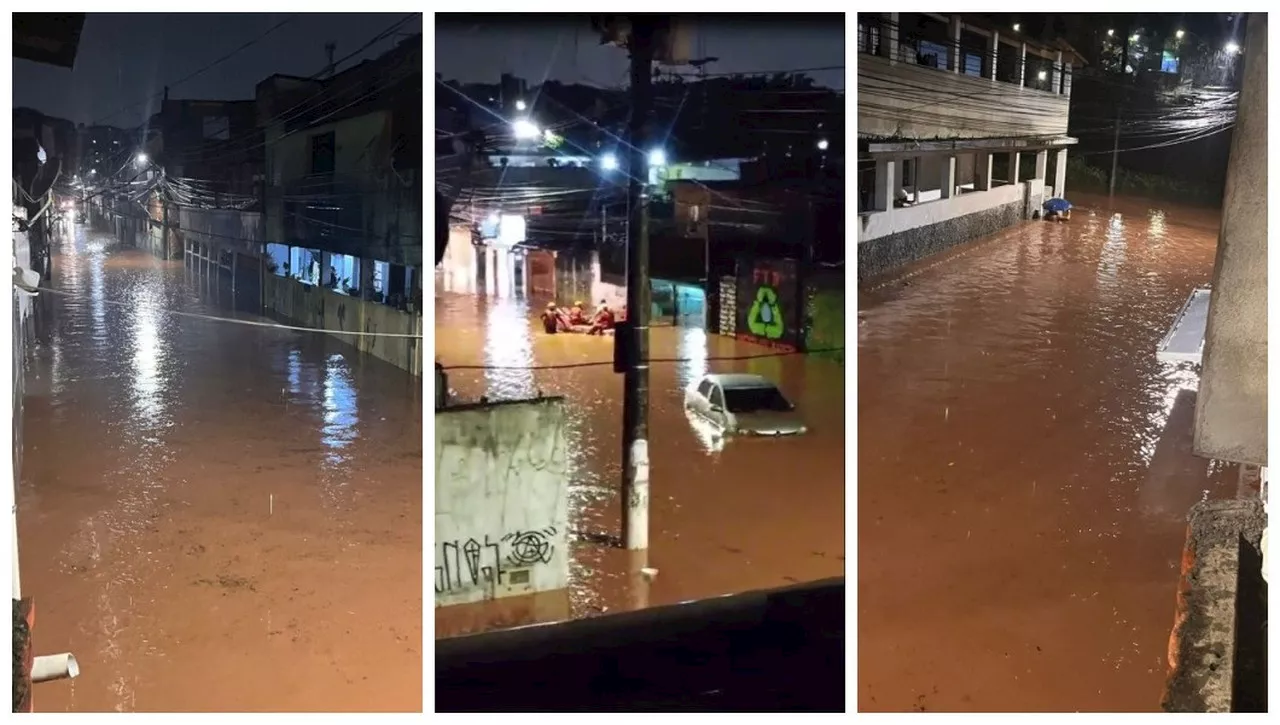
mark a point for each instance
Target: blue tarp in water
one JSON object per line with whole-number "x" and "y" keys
{"x": 1057, "y": 205}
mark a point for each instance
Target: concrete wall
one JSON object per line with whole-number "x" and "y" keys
{"x": 501, "y": 507}
{"x": 876, "y": 225}
{"x": 1231, "y": 410}
{"x": 913, "y": 233}
{"x": 317, "y": 307}
{"x": 885, "y": 111}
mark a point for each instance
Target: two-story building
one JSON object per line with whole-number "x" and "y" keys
{"x": 962, "y": 131}
{"x": 344, "y": 176}
{"x": 216, "y": 142}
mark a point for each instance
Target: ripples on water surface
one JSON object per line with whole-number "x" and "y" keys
{"x": 747, "y": 515}
{"x": 215, "y": 517}
{"x": 1025, "y": 467}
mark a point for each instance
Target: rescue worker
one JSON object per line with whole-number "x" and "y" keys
{"x": 604, "y": 319}
{"x": 577, "y": 315}
{"x": 552, "y": 320}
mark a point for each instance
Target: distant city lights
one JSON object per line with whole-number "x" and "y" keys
{"x": 525, "y": 129}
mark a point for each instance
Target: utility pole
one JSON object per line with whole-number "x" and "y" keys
{"x": 1115, "y": 158}
{"x": 635, "y": 401}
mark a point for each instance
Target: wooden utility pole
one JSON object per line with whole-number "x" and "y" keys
{"x": 635, "y": 401}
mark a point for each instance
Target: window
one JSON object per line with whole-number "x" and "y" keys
{"x": 704, "y": 388}
{"x": 323, "y": 150}
{"x": 1169, "y": 62}
{"x": 716, "y": 397}
{"x": 750, "y": 400}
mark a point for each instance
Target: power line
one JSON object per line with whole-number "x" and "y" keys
{"x": 206, "y": 67}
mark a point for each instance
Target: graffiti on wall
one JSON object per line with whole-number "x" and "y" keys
{"x": 488, "y": 562}
{"x": 766, "y": 303}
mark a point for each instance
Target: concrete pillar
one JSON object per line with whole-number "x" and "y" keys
{"x": 886, "y": 183}
{"x": 1022, "y": 65}
{"x": 1060, "y": 174}
{"x": 915, "y": 180}
{"x": 1015, "y": 161}
{"x": 1042, "y": 164}
{"x": 889, "y": 43}
{"x": 953, "y": 54}
{"x": 1055, "y": 73}
{"x": 993, "y": 49}
{"x": 948, "y": 181}
{"x": 1066, "y": 81}
{"x": 1231, "y": 407}
{"x": 982, "y": 172}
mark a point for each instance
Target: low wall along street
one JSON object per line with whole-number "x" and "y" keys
{"x": 501, "y": 501}
{"x": 311, "y": 306}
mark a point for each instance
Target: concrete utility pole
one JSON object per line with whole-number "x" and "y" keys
{"x": 635, "y": 401}
{"x": 1115, "y": 158}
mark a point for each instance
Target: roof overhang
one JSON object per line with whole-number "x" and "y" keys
{"x": 966, "y": 145}
{"x": 50, "y": 38}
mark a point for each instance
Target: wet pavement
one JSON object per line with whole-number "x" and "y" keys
{"x": 1025, "y": 466}
{"x": 725, "y": 518}
{"x": 214, "y": 517}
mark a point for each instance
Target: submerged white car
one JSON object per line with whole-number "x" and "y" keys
{"x": 744, "y": 405}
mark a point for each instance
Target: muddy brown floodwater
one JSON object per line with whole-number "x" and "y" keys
{"x": 214, "y": 517}
{"x": 1025, "y": 466}
{"x": 751, "y": 514}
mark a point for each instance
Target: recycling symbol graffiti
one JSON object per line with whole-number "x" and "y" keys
{"x": 765, "y": 318}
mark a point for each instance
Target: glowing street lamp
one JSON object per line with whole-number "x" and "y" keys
{"x": 1017, "y": 27}
{"x": 657, "y": 157}
{"x": 1110, "y": 33}
{"x": 1042, "y": 75}
{"x": 1232, "y": 48}
{"x": 525, "y": 129}
{"x": 823, "y": 145}
{"x": 1179, "y": 34}
{"x": 609, "y": 162}
{"x": 141, "y": 159}
{"x": 521, "y": 105}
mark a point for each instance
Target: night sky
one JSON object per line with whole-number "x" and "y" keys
{"x": 478, "y": 48}
{"x": 126, "y": 58}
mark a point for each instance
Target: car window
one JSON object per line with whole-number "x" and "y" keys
{"x": 751, "y": 400}
{"x": 716, "y": 397}
{"x": 704, "y": 389}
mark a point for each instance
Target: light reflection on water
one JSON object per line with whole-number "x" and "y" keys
{"x": 175, "y": 466}
{"x": 1025, "y": 466}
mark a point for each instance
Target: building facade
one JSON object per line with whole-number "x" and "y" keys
{"x": 962, "y": 131}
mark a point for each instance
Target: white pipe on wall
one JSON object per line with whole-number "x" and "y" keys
{"x": 54, "y": 667}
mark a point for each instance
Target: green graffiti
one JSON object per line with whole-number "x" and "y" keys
{"x": 765, "y": 318}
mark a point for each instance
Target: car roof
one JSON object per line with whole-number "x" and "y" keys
{"x": 740, "y": 380}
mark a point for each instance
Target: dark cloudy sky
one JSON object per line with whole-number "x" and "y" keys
{"x": 125, "y": 58}
{"x": 477, "y": 48}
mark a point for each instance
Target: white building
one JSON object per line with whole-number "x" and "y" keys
{"x": 962, "y": 131}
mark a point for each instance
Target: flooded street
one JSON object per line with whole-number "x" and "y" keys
{"x": 748, "y": 514}
{"x": 1025, "y": 466}
{"x": 214, "y": 516}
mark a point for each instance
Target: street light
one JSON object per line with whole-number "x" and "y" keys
{"x": 525, "y": 129}
{"x": 142, "y": 159}
{"x": 1042, "y": 75}
{"x": 823, "y": 145}
{"x": 1179, "y": 34}
{"x": 520, "y": 105}
{"x": 657, "y": 157}
{"x": 1111, "y": 32}
{"x": 1232, "y": 48}
{"x": 1134, "y": 38}
{"x": 609, "y": 162}
{"x": 1017, "y": 27}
